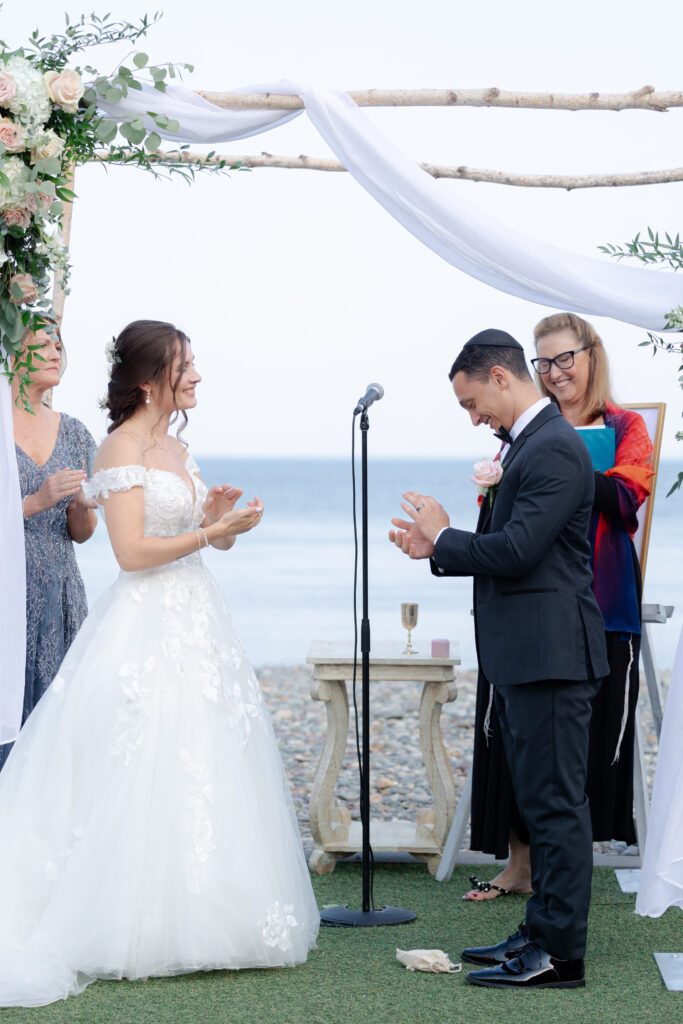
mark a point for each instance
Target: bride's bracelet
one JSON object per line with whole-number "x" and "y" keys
{"x": 201, "y": 532}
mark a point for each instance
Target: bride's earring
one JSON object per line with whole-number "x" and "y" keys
{"x": 147, "y": 398}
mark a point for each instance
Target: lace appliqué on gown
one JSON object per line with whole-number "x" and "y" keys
{"x": 150, "y": 763}
{"x": 189, "y": 600}
{"x": 133, "y": 710}
{"x": 277, "y": 926}
{"x": 200, "y": 796}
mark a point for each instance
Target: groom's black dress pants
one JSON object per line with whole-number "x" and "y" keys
{"x": 545, "y": 731}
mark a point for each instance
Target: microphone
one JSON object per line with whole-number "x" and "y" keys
{"x": 373, "y": 393}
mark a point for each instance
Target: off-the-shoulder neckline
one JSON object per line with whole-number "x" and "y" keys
{"x": 155, "y": 469}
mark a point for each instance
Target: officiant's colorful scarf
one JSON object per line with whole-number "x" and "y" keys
{"x": 616, "y": 581}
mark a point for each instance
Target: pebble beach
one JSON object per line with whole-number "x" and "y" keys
{"x": 398, "y": 781}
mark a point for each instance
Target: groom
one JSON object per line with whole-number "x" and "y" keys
{"x": 540, "y": 642}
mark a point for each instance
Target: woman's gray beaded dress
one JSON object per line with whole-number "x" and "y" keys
{"x": 55, "y": 595}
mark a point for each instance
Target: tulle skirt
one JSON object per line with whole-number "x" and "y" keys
{"x": 147, "y": 825}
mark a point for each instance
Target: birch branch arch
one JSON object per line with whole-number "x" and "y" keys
{"x": 645, "y": 98}
{"x": 313, "y": 163}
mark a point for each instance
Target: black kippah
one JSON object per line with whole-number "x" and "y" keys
{"x": 492, "y": 338}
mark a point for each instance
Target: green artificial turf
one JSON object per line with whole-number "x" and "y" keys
{"x": 354, "y": 978}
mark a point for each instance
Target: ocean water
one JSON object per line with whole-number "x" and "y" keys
{"x": 290, "y": 581}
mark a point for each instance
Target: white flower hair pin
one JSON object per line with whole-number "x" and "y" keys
{"x": 111, "y": 354}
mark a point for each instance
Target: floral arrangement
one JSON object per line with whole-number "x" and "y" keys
{"x": 50, "y": 123}
{"x": 487, "y": 475}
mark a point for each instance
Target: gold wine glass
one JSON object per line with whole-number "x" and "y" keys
{"x": 409, "y": 622}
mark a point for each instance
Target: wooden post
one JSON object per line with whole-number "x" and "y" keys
{"x": 58, "y": 292}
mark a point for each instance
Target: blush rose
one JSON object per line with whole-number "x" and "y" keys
{"x": 8, "y": 89}
{"x": 29, "y": 291}
{"x": 65, "y": 89}
{"x": 11, "y": 135}
{"x": 17, "y": 218}
{"x": 487, "y": 473}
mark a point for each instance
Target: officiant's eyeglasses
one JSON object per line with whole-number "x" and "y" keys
{"x": 564, "y": 361}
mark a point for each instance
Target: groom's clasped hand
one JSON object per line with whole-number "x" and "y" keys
{"x": 416, "y": 539}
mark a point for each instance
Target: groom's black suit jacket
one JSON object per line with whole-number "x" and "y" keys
{"x": 536, "y": 616}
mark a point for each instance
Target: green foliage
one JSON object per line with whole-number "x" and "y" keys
{"x": 651, "y": 250}
{"x": 82, "y": 133}
{"x": 53, "y": 52}
{"x": 678, "y": 483}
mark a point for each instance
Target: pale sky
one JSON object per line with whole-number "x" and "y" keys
{"x": 295, "y": 287}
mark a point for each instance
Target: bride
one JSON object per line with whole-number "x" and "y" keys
{"x": 147, "y": 823}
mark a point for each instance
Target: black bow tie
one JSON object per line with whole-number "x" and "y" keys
{"x": 503, "y": 435}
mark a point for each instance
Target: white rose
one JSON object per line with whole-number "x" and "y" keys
{"x": 487, "y": 473}
{"x": 46, "y": 145}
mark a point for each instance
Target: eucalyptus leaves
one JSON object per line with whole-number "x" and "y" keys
{"x": 51, "y": 121}
{"x": 652, "y": 250}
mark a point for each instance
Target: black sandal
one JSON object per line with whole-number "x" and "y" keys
{"x": 486, "y": 887}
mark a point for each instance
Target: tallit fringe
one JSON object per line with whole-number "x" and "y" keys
{"x": 487, "y": 716}
{"x": 627, "y": 687}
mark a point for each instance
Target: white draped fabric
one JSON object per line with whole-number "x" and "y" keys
{"x": 440, "y": 217}
{"x": 198, "y": 120}
{"x": 661, "y": 878}
{"x": 13, "y": 589}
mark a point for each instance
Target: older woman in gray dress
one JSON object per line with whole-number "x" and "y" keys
{"x": 54, "y": 454}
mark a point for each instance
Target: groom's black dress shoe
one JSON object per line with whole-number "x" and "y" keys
{"x": 490, "y": 956}
{"x": 532, "y": 968}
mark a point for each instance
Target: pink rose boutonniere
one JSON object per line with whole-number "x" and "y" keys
{"x": 487, "y": 475}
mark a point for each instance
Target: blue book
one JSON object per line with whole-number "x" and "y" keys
{"x": 601, "y": 445}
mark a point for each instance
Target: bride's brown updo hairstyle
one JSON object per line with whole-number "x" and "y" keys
{"x": 144, "y": 351}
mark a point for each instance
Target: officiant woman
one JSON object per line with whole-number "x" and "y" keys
{"x": 54, "y": 454}
{"x": 572, "y": 369}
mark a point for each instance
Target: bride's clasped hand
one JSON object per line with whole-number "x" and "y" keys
{"x": 219, "y": 511}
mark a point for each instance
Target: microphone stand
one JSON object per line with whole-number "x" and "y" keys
{"x": 341, "y": 916}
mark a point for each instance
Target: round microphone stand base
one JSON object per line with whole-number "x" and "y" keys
{"x": 342, "y": 917}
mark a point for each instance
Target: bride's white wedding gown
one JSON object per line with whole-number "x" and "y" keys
{"x": 146, "y": 822}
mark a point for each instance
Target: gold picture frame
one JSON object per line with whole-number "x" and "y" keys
{"x": 653, "y": 414}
